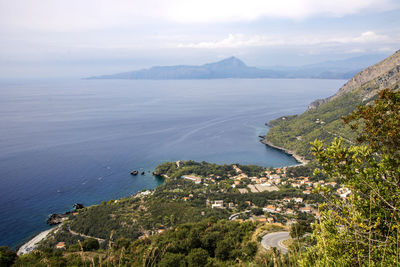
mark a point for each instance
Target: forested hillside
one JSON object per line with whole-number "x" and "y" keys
{"x": 323, "y": 119}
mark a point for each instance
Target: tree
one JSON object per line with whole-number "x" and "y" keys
{"x": 90, "y": 244}
{"x": 7, "y": 257}
{"x": 224, "y": 248}
{"x": 362, "y": 228}
{"x": 197, "y": 257}
{"x": 257, "y": 211}
{"x": 172, "y": 259}
{"x": 297, "y": 230}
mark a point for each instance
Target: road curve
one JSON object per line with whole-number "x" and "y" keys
{"x": 275, "y": 240}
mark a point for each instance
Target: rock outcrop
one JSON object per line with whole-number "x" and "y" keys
{"x": 57, "y": 218}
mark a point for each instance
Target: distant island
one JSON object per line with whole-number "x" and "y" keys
{"x": 228, "y": 68}
{"x": 233, "y": 67}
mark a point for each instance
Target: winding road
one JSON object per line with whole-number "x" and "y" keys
{"x": 275, "y": 240}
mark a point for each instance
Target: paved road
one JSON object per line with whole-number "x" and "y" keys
{"x": 235, "y": 215}
{"x": 86, "y": 236}
{"x": 275, "y": 240}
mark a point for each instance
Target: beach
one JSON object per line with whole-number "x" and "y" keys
{"x": 29, "y": 246}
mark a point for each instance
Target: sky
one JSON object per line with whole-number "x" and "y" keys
{"x": 79, "y": 38}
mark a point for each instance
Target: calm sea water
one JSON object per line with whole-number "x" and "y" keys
{"x": 63, "y": 142}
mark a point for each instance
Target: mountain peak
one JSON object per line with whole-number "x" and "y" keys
{"x": 228, "y": 62}
{"x": 231, "y": 67}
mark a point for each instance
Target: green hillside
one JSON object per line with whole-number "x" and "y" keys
{"x": 324, "y": 121}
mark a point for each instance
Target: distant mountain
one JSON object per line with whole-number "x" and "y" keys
{"x": 337, "y": 69}
{"x": 235, "y": 68}
{"x": 228, "y": 68}
{"x": 323, "y": 119}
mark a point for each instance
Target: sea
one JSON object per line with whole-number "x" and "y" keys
{"x": 72, "y": 141}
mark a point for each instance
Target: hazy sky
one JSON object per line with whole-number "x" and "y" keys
{"x": 54, "y": 38}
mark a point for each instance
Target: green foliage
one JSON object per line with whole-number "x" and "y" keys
{"x": 61, "y": 236}
{"x": 296, "y": 132}
{"x": 7, "y": 257}
{"x": 298, "y": 229}
{"x": 172, "y": 259}
{"x": 381, "y": 124}
{"x": 200, "y": 243}
{"x": 306, "y": 171}
{"x": 90, "y": 244}
{"x": 197, "y": 257}
{"x": 99, "y": 221}
{"x": 363, "y": 229}
{"x": 204, "y": 169}
{"x": 44, "y": 258}
{"x": 166, "y": 168}
{"x": 252, "y": 170}
{"x": 122, "y": 243}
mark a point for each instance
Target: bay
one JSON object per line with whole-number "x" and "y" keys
{"x": 76, "y": 141}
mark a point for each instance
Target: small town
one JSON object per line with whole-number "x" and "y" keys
{"x": 279, "y": 211}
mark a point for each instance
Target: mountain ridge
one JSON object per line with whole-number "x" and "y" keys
{"x": 385, "y": 68}
{"x": 231, "y": 67}
{"x": 323, "y": 118}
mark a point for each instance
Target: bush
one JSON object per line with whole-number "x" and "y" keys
{"x": 172, "y": 259}
{"x": 7, "y": 257}
{"x": 197, "y": 257}
{"x": 90, "y": 244}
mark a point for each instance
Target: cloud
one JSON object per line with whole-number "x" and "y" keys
{"x": 209, "y": 11}
{"x": 235, "y": 41}
{"x": 243, "y": 41}
{"x": 78, "y": 15}
{"x": 365, "y": 37}
{"x": 82, "y": 15}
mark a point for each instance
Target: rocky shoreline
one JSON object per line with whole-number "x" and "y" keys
{"x": 57, "y": 218}
{"x": 298, "y": 158}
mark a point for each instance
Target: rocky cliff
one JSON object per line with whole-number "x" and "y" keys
{"x": 382, "y": 75}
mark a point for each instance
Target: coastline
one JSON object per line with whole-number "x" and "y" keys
{"x": 32, "y": 244}
{"x": 301, "y": 160}
{"x": 29, "y": 246}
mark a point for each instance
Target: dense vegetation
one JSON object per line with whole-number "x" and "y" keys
{"x": 325, "y": 123}
{"x": 208, "y": 242}
{"x": 170, "y": 169}
{"x": 136, "y": 216}
{"x": 364, "y": 229}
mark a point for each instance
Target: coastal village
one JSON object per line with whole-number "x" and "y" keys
{"x": 272, "y": 180}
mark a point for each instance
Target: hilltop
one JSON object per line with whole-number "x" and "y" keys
{"x": 323, "y": 119}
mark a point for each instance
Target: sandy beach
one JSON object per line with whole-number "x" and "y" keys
{"x": 29, "y": 246}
